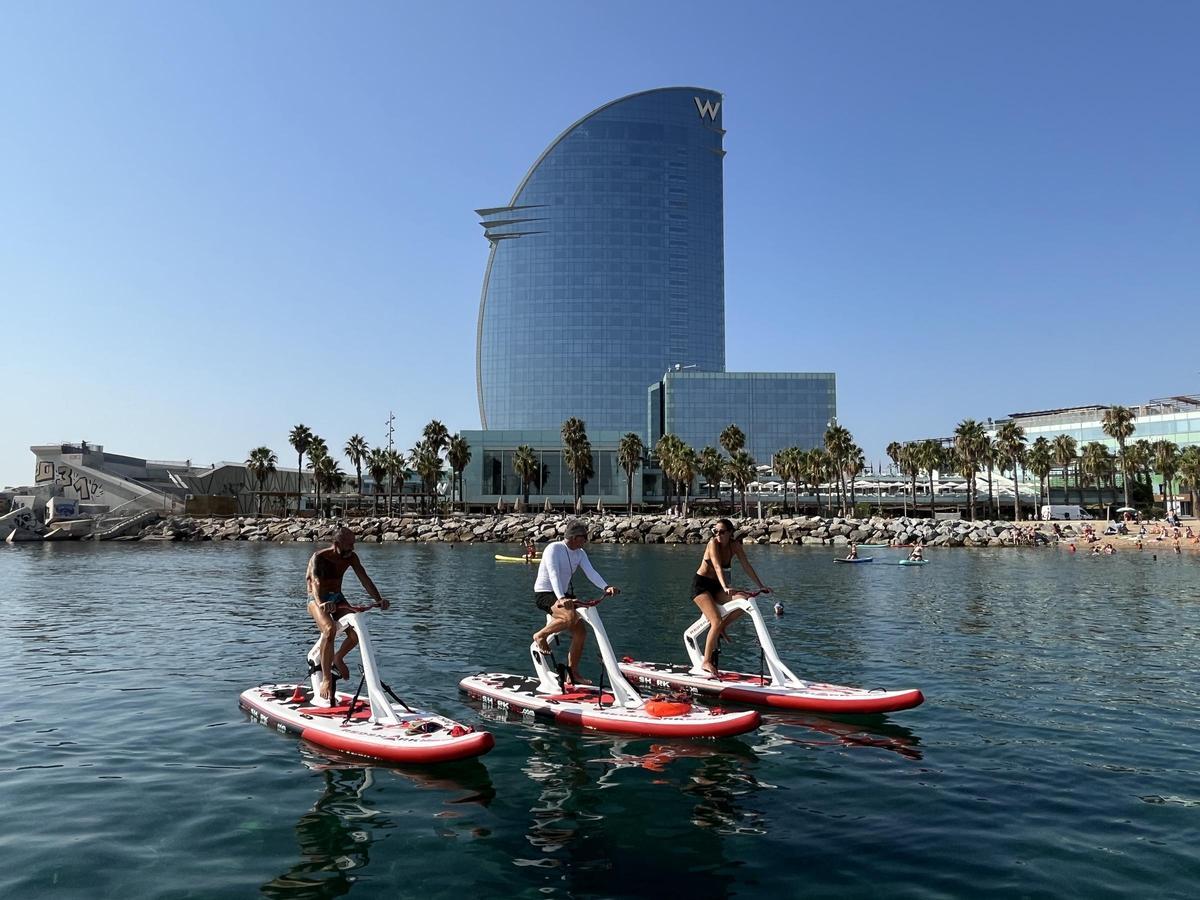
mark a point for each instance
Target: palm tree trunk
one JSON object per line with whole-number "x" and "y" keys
{"x": 299, "y": 479}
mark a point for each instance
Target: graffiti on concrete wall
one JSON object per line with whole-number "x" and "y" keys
{"x": 64, "y": 476}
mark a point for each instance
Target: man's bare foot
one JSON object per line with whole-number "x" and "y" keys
{"x": 576, "y": 678}
{"x": 327, "y": 689}
{"x": 343, "y": 670}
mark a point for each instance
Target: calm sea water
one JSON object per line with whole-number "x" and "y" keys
{"x": 1056, "y": 754}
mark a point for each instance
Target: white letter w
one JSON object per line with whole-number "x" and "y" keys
{"x": 707, "y": 108}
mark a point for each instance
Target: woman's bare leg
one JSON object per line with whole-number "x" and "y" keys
{"x": 708, "y": 606}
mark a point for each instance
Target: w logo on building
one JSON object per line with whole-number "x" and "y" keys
{"x": 707, "y": 108}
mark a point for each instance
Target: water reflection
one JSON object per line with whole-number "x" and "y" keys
{"x": 336, "y": 835}
{"x": 658, "y": 831}
{"x": 860, "y": 732}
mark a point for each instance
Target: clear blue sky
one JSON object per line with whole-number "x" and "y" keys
{"x": 220, "y": 219}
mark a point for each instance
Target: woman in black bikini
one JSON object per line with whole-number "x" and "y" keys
{"x": 710, "y": 585}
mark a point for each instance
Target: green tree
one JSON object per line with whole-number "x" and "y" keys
{"x": 970, "y": 444}
{"x": 577, "y": 461}
{"x": 428, "y": 466}
{"x": 1094, "y": 467}
{"x": 1010, "y": 444}
{"x": 1166, "y": 463}
{"x": 377, "y": 468}
{"x": 300, "y": 437}
{"x": 458, "y": 455}
{"x": 397, "y": 470}
{"x": 1118, "y": 425}
{"x": 667, "y": 450}
{"x": 630, "y": 452}
{"x": 356, "y": 451}
{"x": 684, "y": 467}
{"x": 741, "y": 471}
{"x": 732, "y": 439}
{"x": 435, "y": 436}
{"x": 838, "y": 442}
{"x": 788, "y": 466}
{"x": 317, "y": 451}
{"x": 930, "y": 457}
{"x": 527, "y": 468}
{"x": 1063, "y": 448}
{"x": 1189, "y": 472}
{"x": 712, "y": 464}
{"x": 1040, "y": 461}
{"x": 261, "y": 465}
{"x": 908, "y": 464}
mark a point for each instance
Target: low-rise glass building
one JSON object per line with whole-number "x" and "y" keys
{"x": 775, "y": 410}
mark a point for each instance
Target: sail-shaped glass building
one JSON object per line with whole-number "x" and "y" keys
{"x": 606, "y": 267}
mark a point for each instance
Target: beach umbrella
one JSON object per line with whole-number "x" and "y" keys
{"x": 1126, "y": 509}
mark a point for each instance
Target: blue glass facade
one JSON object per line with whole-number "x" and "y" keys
{"x": 490, "y": 475}
{"x": 606, "y": 267}
{"x": 775, "y": 410}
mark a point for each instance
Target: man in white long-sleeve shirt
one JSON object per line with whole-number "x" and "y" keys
{"x": 553, "y": 594}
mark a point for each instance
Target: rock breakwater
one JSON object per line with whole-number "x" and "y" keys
{"x": 605, "y": 528}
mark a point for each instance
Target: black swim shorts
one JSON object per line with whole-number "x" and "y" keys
{"x": 702, "y": 584}
{"x": 546, "y": 599}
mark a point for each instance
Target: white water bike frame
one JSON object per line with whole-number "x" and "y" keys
{"x": 781, "y": 675}
{"x": 548, "y": 682}
{"x": 381, "y": 708}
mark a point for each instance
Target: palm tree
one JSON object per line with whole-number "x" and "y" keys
{"x": 667, "y": 451}
{"x": 574, "y": 436}
{"x": 458, "y": 454}
{"x": 356, "y": 450}
{"x": 908, "y": 463}
{"x": 397, "y": 468}
{"x": 969, "y": 445}
{"x": 332, "y": 477}
{"x": 630, "y": 451}
{"x": 435, "y": 436}
{"x": 740, "y": 470}
{"x": 428, "y": 465}
{"x": 838, "y": 442}
{"x": 317, "y": 451}
{"x": 300, "y": 437}
{"x": 684, "y": 468}
{"x": 1010, "y": 441}
{"x": 1166, "y": 463}
{"x": 1118, "y": 425}
{"x": 712, "y": 464}
{"x": 988, "y": 457}
{"x": 1189, "y": 471}
{"x": 1094, "y": 467}
{"x": 855, "y": 463}
{"x": 732, "y": 439}
{"x": 377, "y": 468}
{"x": 578, "y": 458}
{"x": 929, "y": 458}
{"x": 1141, "y": 457}
{"x": 261, "y": 464}
{"x": 816, "y": 466}
{"x": 893, "y": 451}
{"x": 527, "y": 466}
{"x": 788, "y": 467}
{"x": 1040, "y": 461}
{"x": 1063, "y": 449}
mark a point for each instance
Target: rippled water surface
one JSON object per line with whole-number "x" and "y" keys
{"x": 1056, "y": 753}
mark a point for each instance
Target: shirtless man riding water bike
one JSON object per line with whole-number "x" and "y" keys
{"x": 327, "y": 603}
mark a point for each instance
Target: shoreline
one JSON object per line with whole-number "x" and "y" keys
{"x": 605, "y": 528}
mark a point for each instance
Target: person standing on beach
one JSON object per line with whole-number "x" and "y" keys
{"x": 710, "y": 585}
{"x": 327, "y": 604}
{"x": 553, "y": 593}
